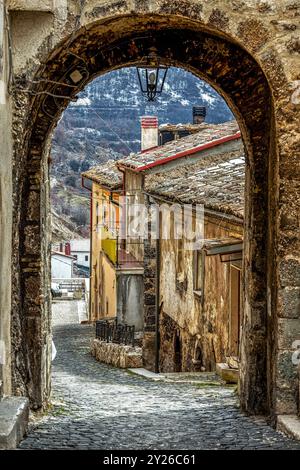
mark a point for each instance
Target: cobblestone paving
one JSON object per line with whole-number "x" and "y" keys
{"x": 99, "y": 407}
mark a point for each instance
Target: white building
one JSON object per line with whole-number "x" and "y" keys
{"x": 80, "y": 250}
{"x": 61, "y": 265}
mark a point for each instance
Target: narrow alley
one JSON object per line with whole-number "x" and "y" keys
{"x": 100, "y": 407}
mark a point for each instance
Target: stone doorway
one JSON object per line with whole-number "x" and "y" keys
{"x": 210, "y": 54}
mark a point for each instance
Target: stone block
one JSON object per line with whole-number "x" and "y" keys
{"x": 149, "y": 299}
{"x": 149, "y": 350}
{"x": 289, "y": 425}
{"x": 289, "y": 302}
{"x": 14, "y": 413}
{"x": 286, "y": 370}
{"x": 288, "y": 332}
{"x": 289, "y": 272}
{"x": 230, "y": 376}
{"x": 286, "y": 386}
{"x": 285, "y": 402}
{"x": 31, "y": 5}
{"x": 117, "y": 355}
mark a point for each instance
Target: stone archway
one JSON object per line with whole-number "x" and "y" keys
{"x": 210, "y": 54}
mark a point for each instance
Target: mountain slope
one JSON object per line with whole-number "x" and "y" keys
{"x": 104, "y": 124}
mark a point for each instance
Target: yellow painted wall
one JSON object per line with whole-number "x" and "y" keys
{"x": 103, "y": 274}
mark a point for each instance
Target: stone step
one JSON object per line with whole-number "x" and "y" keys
{"x": 229, "y": 375}
{"x": 14, "y": 414}
{"x": 196, "y": 378}
{"x": 289, "y": 425}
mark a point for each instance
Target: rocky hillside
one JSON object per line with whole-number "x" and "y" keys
{"x": 104, "y": 123}
{"x": 62, "y": 228}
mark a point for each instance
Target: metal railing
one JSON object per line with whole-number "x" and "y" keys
{"x": 121, "y": 252}
{"x": 112, "y": 331}
{"x": 71, "y": 285}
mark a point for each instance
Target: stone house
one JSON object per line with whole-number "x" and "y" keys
{"x": 79, "y": 249}
{"x": 116, "y": 276}
{"x": 62, "y": 265}
{"x": 199, "y": 311}
{"x": 195, "y": 306}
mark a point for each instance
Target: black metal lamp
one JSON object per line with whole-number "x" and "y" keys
{"x": 152, "y": 76}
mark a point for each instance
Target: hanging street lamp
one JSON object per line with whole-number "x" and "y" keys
{"x": 152, "y": 75}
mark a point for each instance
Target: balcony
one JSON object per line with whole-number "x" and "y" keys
{"x": 122, "y": 253}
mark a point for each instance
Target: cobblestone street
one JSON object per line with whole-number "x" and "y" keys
{"x": 99, "y": 407}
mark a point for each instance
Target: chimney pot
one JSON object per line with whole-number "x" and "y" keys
{"x": 199, "y": 113}
{"x": 149, "y": 132}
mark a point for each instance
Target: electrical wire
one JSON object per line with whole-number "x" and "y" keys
{"x": 110, "y": 128}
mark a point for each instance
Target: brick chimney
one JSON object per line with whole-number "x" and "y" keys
{"x": 199, "y": 113}
{"x": 149, "y": 132}
{"x": 67, "y": 249}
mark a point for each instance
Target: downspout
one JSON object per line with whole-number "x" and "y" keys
{"x": 91, "y": 246}
{"x": 91, "y": 256}
{"x": 157, "y": 297}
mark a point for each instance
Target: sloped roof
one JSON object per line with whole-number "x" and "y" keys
{"x": 106, "y": 174}
{"x": 217, "y": 182}
{"x": 208, "y": 133}
{"x": 59, "y": 253}
{"x": 192, "y": 128}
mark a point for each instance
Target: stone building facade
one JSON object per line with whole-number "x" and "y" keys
{"x": 116, "y": 274}
{"x": 249, "y": 51}
{"x": 192, "y": 301}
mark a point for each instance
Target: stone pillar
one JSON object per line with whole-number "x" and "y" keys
{"x": 288, "y": 338}
{"x": 5, "y": 213}
{"x": 286, "y": 386}
{"x": 149, "y": 300}
{"x": 35, "y": 281}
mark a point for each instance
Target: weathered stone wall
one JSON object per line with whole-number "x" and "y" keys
{"x": 5, "y": 212}
{"x": 150, "y": 338}
{"x": 248, "y": 50}
{"x": 203, "y": 321}
{"x": 117, "y": 355}
{"x": 188, "y": 346}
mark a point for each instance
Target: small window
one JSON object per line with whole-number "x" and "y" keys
{"x": 86, "y": 257}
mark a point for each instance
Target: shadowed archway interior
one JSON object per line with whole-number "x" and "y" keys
{"x": 95, "y": 50}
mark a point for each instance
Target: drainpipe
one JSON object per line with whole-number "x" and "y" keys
{"x": 91, "y": 245}
{"x": 157, "y": 298}
{"x": 91, "y": 256}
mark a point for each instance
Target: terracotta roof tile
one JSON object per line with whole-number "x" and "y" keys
{"x": 217, "y": 182}
{"x": 207, "y": 133}
{"x": 106, "y": 174}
